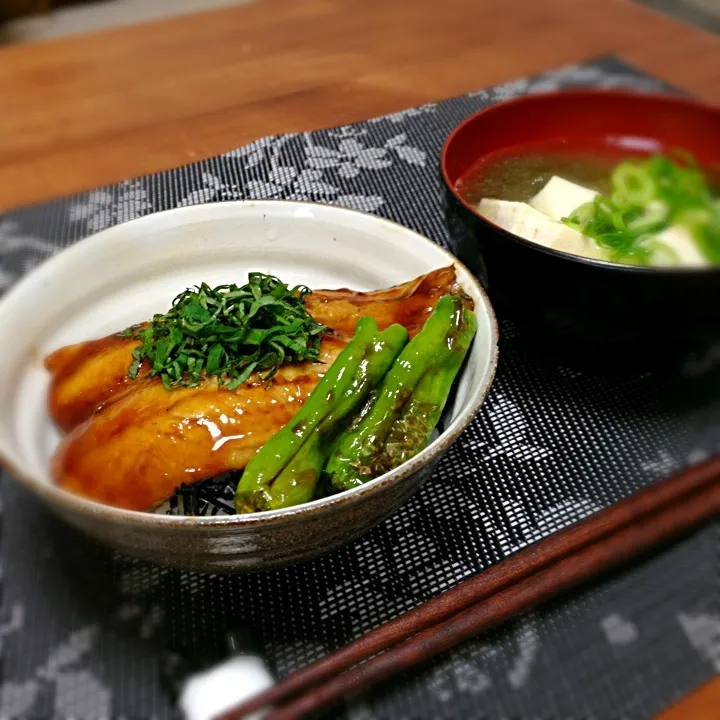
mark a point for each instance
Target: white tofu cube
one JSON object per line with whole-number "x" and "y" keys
{"x": 560, "y": 197}
{"x": 530, "y": 224}
{"x": 681, "y": 244}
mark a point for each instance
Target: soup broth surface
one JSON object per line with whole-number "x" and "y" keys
{"x": 519, "y": 174}
{"x": 520, "y": 177}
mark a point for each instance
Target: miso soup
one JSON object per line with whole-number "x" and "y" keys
{"x": 660, "y": 210}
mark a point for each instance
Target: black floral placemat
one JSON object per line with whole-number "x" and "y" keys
{"x": 85, "y": 633}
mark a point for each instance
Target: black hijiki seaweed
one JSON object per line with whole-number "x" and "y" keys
{"x": 209, "y": 497}
{"x": 215, "y": 496}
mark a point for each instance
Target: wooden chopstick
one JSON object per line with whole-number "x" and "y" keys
{"x": 561, "y": 561}
{"x": 598, "y": 557}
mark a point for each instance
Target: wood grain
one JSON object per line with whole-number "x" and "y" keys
{"x": 84, "y": 111}
{"x": 703, "y": 704}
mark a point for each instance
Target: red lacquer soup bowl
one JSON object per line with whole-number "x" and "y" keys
{"x": 595, "y": 305}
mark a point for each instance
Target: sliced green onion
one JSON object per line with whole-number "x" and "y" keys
{"x": 654, "y": 215}
{"x": 618, "y": 199}
{"x": 581, "y": 215}
{"x": 634, "y": 183}
{"x": 707, "y": 238}
{"x": 661, "y": 254}
{"x": 618, "y": 219}
{"x": 649, "y": 196}
{"x": 603, "y": 206}
{"x": 694, "y": 217}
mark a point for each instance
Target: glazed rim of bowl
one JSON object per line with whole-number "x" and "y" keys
{"x": 569, "y": 257}
{"x": 77, "y": 503}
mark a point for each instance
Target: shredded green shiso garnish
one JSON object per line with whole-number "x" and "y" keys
{"x": 229, "y": 332}
{"x": 648, "y": 197}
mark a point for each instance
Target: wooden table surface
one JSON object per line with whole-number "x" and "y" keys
{"x": 83, "y": 111}
{"x": 88, "y": 110}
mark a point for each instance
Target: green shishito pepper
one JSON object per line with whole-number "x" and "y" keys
{"x": 297, "y": 483}
{"x": 399, "y": 422}
{"x": 286, "y": 469}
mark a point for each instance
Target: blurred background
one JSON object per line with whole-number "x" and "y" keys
{"x": 32, "y": 20}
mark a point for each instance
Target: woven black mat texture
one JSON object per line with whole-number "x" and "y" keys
{"x": 86, "y": 633}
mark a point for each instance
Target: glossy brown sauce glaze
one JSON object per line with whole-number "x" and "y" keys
{"x": 409, "y": 304}
{"x": 132, "y": 442}
{"x": 86, "y": 375}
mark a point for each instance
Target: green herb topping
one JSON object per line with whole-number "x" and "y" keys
{"x": 229, "y": 332}
{"x": 648, "y": 197}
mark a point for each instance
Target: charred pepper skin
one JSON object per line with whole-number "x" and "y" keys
{"x": 409, "y": 403}
{"x": 297, "y": 483}
{"x": 413, "y": 430}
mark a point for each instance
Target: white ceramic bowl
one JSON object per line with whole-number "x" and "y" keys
{"x": 126, "y": 273}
